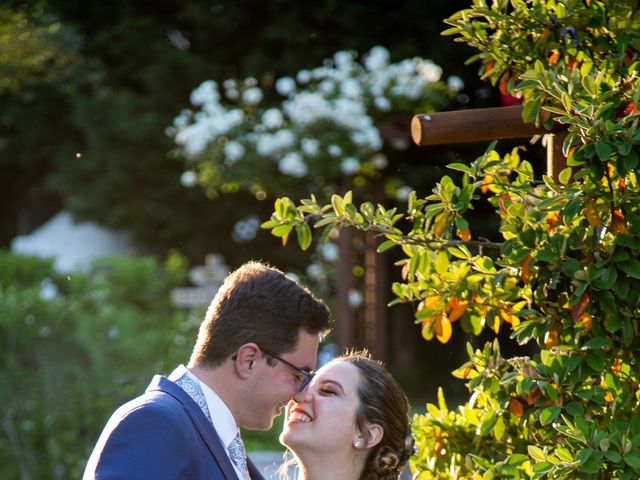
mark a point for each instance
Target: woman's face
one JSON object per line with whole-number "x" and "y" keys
{"x": 325, "y": 419}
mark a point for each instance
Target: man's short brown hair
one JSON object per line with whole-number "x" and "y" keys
{"x": 257, "y": 303}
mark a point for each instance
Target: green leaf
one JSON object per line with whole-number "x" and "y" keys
{"x": 530, "y": 110}
{"x": 549, "y": 414}
{"x": 304, "y": 236}
{"x": 633, "y": 460}
{"x": 442, "y": 263}
{"x": 461, "y": 167}
{"x": 574, "y": 408}
{"x": 631, "y": 267}
{"x": 589, "y": 84}
{"x": 595, "y": 360}
{"x": 613, "y": 456}
{"x": 603, "y": 149}
{"x": 499, "y": 429}
{"x": 282, "y": 230}
{"x": 536, "y": 453}
{"x": 630, "y": 160}
{"x": 565, "y": 175}
{"x": 386, "y": 245}
{"x": 597, "y": 343}
{"x": 338, "y": 204}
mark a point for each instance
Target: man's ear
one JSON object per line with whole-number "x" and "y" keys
{"x": 245, "y": 359}
{"x": 372, "y": 434}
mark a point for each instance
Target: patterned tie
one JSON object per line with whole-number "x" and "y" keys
{"x": 239, "y": 456}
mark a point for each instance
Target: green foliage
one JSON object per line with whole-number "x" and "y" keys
{"x": 565, "y": 275}
{"x": 74, "y": 348}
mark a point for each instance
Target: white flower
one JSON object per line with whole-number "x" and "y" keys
{"x": 455, "y": 83}
{"x": 268, "y": 144}
{"x": 250, "y": 82}
{"x": 350, "y": 165}
{"x": 316, "y": 272}
{"x": 350, "y": 88}
{"x": 334, "y": 151}
{"x": 272, "y": 118}
{"x": 377, "y": 58}
{"x": 304, "y": 76}
{"x": 399, "y": 143}
{"x": 182, "y": 120}
{"x": 327, "y": 86}
{"x": 293, "y": 164}
{"x": 380, "y": 161}
{"x": 232, "y": 94}
{"x": 285, "y": 86}
{"x": 233, "y": 151}
{"x": 48, "y": 290}
{"x": 428, "y": 70}
{"x": 189, "y": 179}
{"x": 310, "y": 146}
{"x": 252, "y": 96}
{"x": 307, "y": 107}
{"x": 207, "y": 92}
{"x": 402, "y": 193}
{"x": 245, "y": 230}
{"x": 329, "y": 252}
{"x": 343, "y": 59}
{"x": 382, "y": 103}
{"x": 355, "y": 298}
{"x": 229, "y": 84}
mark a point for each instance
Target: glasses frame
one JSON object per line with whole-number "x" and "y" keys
{"x": 308, "y": 375}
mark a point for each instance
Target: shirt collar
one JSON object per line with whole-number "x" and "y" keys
{"x": 221, "y": 417}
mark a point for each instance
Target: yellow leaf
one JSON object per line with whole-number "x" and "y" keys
{"x": 443, "y": 328}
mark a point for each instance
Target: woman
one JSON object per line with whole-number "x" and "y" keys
{"x": 353, "y": 423}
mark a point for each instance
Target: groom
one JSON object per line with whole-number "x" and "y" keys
{"x": 256, "y": 350}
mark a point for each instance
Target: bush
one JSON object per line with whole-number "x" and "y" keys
{"x": 74, "y": 348}
{"x": 565, "y": 276}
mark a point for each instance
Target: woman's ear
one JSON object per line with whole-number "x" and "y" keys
{"x": 245, "y": 359}
{"x": 372, "y": 435}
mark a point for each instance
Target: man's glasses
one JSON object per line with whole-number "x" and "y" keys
{"x": 307, "y": 376}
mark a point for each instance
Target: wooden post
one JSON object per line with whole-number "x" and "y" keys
{"x": 374, "y": 295}
{"x": 556, "y": 161}
{"x": 345, "y": 319}
{"x": 474, "y": 125}
{"x": 484, "y": 124}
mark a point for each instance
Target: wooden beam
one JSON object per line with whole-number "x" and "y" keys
{"x": 472, "y": 125}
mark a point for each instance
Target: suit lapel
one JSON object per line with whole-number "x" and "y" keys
{"x": 206, "y": 430}
{"x": 254, "y": 473}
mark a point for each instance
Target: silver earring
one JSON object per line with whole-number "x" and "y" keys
{"x": 357, "y": 444}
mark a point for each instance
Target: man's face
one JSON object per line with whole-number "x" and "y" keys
{"x": 274, "y": 385}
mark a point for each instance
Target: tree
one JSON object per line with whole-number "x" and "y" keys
{"x": 565, "y": 274}
{"x": 106, "y": 156}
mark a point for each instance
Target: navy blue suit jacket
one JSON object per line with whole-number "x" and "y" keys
{"x": 161, "y": 435}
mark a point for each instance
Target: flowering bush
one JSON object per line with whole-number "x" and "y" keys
{"x": 303, "y": 134}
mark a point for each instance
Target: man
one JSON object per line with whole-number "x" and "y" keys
{"x": 256, "y": 349}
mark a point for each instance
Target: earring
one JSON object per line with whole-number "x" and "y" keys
{"x": 357, "y": 444}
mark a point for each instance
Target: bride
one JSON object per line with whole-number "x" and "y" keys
{"x": 352, "y": 423}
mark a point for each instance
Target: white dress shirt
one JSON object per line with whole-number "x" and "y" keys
{"x": 221, "y": 417}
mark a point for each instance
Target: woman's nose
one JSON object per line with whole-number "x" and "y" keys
{"x": 303, "y": 396}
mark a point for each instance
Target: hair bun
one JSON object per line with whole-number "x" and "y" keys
{"x": 386, "y": 460}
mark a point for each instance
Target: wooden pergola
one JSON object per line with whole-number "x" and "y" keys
{"x": 486, "y": 124}
{"x": 442, "y": 128}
